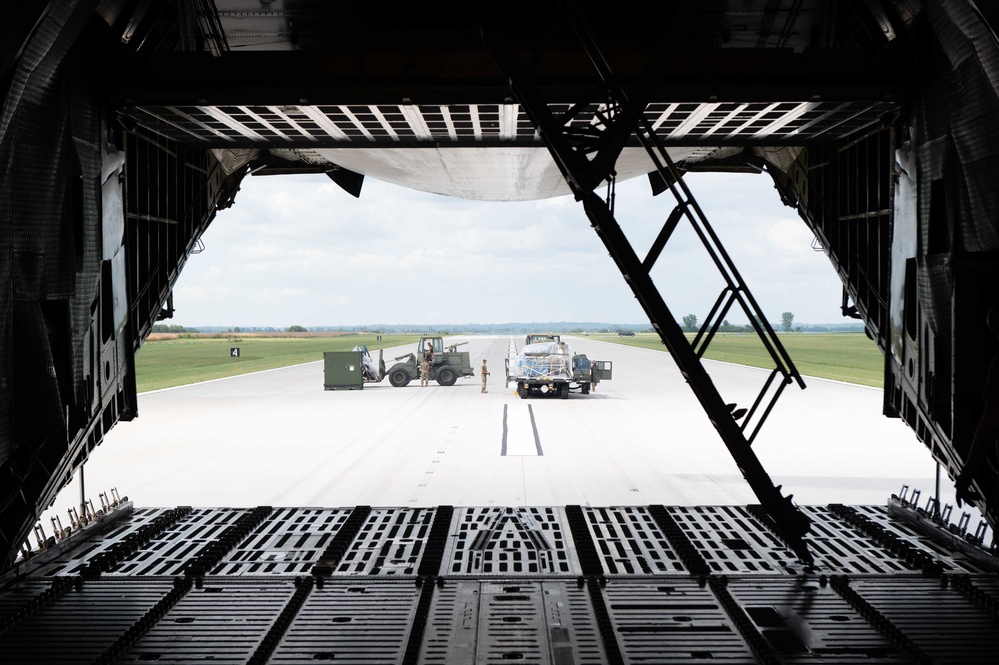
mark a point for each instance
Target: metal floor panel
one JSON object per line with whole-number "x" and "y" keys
{"x": 841, "y": 548}
{"x": 510, "y": 541}
{"x": 732, "y": 541}
{"x": 673, "y": 620}
{"x": 630, "y": 542}
{"x": 490, "y": 585}
{"x": 948, "y": 627}
{"x": 289, "y": 542}
{"x": 222, "y": 621}
{"x": 81, "y": 624}
{"x": 804, "y": 620}
{"x": 530, "y": 622}
{"x": 18, "y": 598}
{"x": 527, "y": 621}
{"x": 390, "y": 542}
{"x": 72, "y": 561}
{"x": 955, "y": 561}
{"x": 363, "y": 621}
{"x": 171, "y": 551}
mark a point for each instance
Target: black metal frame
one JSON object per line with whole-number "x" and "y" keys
{"x": 587, "y": 159}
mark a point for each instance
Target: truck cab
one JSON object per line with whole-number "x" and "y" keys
{"x": 588, "y": 373}
{"x": 433, "y": 345}
{"x": 539, "y": 338}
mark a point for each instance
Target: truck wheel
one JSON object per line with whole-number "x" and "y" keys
{"x": 399, "y": 377}
{"x": 446, "y": 375}
{"x": 564, "y": 391}
{"x": 522, "y": 390}
{"x": 585, "y": 389}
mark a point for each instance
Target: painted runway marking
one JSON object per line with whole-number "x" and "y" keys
{"x": 534, "y": 427}
{"x": 520, "y": 434}
{"x": 505, "y": 430}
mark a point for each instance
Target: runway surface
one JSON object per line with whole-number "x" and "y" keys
{"x": 276, "y": 521}
{"x": 277, "y": 438}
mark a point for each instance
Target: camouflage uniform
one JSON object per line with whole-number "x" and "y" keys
{"x": 424, "y": 373}
{"x": 484, "y": 372}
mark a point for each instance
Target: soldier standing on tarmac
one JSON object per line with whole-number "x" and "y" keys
{"x": 484, "y": 373}
{"x": 424, "y": 372}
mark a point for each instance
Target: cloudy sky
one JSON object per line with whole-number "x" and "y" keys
{"x": 298, "y": 250}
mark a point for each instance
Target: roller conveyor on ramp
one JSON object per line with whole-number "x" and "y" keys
{"x": 572, "y": 584}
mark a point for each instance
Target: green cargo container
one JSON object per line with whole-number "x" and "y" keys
{"x": 344, "y": 370}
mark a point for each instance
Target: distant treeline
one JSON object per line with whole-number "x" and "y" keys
{"x": 164, "y": 328}
{"x": 797, "y": 328}
{"x": 567, "y": 327}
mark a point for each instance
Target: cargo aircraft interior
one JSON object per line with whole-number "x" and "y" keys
{"x": 128, "y": 125}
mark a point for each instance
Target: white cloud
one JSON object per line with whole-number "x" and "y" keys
{"x": 204, "y": 293}
{"x": 300, "y": 250}
{"x": 791, "y": 237}
{"x": 263, "y": 252}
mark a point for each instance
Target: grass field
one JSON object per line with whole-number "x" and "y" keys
{"x": 849, "y": 357}
{"x": 165, "y": 363}
{"x": 173, "y": 362}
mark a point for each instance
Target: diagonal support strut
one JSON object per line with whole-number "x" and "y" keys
{"x": 621, "y": 114}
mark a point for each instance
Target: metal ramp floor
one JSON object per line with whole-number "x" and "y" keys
{"x": 562, "y": 585}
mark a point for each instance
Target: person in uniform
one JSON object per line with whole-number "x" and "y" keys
{"x": 424, "y": 372}
{"x": 484, "y": 373}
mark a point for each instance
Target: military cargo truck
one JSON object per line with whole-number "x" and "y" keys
{"x": 546, "y": 366}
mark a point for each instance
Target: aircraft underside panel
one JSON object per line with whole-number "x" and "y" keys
{"x": 67, "y": 355}
{"x": 573, "y": 584}
{"x": 97, "y": 225}
{"x": 906, "y": 215}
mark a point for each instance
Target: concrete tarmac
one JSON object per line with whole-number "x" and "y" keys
{"x": 278, "y": 438}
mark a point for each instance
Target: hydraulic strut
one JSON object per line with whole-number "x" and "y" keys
{"x": 585, "y": 140}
